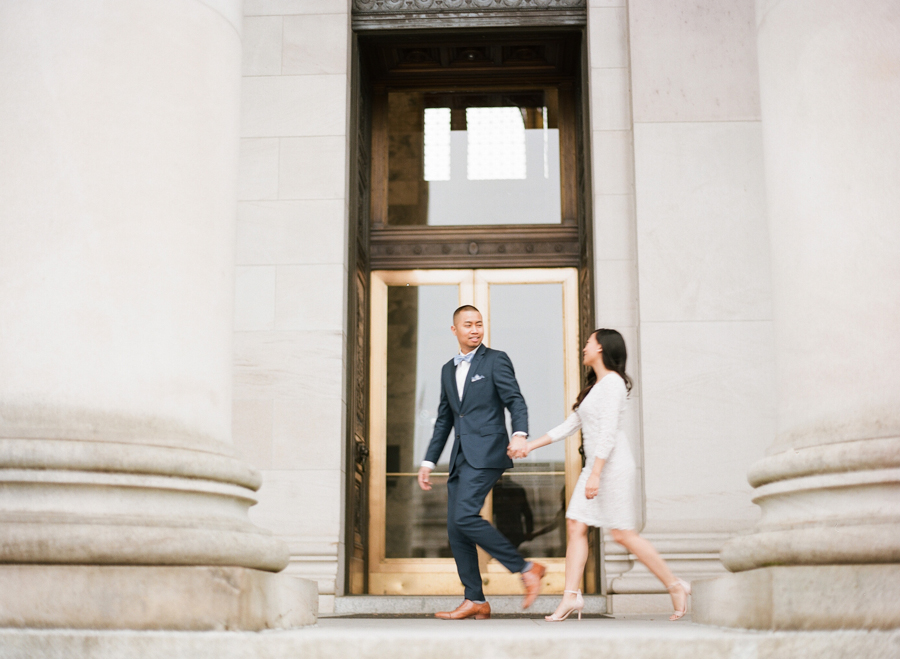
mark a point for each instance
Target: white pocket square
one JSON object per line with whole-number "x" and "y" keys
{"x": 477, "y": 378}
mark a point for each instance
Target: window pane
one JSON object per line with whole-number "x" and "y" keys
{"x": 495, "y": 144}
{"x": 473, "y": 159}
{"x": 437, "y": 144}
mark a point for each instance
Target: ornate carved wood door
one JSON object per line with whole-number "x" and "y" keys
{"x": 470, "y": 158}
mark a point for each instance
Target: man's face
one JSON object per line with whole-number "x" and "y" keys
{"x": 469, "y": 330}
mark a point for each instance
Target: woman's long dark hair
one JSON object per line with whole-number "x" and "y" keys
{"x": 614, "y": 357}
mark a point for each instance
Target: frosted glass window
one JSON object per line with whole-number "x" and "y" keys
{"x": 496, "y": 144}
{"x": 437, "y": 144}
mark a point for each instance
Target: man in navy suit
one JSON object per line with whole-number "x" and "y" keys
{"x": 476, "y": 386}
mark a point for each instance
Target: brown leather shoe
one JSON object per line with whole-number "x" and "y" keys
{"x": 468, "y": 609}
{"x": 532, "y": 581}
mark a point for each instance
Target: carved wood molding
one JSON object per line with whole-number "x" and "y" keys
{"x": 474, "y": 247}
{"x": 420, "y": 14}
{"x": 425, "y": 6}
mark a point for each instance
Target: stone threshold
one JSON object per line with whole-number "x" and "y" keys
{"x": 428, "y": 605}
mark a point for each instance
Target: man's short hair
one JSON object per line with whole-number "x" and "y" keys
{"x": 465, "y": 307}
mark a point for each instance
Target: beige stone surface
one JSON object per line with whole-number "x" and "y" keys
{"x": 610, "y": 99}
{"x": 262, "y": 45}
{"x": 708, "y": 413}
{"x": 614, "y": 227}
{"x": 313, "y": 168}
{"x": 608, "y": 29}
{"x": 252, "y": 428}
{"x": 616, "y": 292}
{"x": 641, "y": 604}
{"x": 613, "y": 161}
{"x": 315, "y": 44}
{"x": 802, "y": 598}
{"x": 254, "y": 298}
{"x": 284, "y": 232}
{"x": 310, "y": 297}
{"x": 694, "y": 60}
{"x": 295, "y": 445}
{"x": 287, "y": 7}
{"x": 638, "y": 637}
{"x": 302, "y": 503}
{"x": 287, "y": 364}
{"x": 152, "y": 597}
{"x": 291, "y": 106}
{"x": 258, "y": 172}
{"x": 701, "y": 222}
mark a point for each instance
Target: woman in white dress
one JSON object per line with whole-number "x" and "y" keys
{"x": 606, "y": 501}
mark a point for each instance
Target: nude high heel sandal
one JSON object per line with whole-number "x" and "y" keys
{"x": 686, "y": 587}
{"x": 579, "y": 606}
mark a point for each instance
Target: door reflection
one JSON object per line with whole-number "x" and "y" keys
{"x": 528, "y": 506}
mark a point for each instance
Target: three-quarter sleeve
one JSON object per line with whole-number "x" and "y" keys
{"x": 566, "y": 428}
{"x": 605, "y": 415}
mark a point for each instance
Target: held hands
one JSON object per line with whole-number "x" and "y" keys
{"x": 518, "y": 447}
{"x": 424, "y": 480}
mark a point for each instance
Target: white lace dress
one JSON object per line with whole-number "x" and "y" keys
{"x": 601, "y": 417}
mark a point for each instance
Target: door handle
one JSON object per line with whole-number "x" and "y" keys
{"x": 362, "y": 454}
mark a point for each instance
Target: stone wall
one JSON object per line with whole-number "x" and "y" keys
{"x": 683, "y": 263}
{"x": 291, "y": 271}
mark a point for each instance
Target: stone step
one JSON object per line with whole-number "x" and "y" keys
{"x": 427, "y": 605}
{"x": 340, "y": 638}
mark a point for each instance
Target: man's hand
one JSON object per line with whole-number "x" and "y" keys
{"x": 518, "y": 447}
{"x": 424, "y": 480}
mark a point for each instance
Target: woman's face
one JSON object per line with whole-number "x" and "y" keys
{"x": 591, "y": 351}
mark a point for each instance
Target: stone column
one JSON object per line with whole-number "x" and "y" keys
{"x": 119, "y": 126}
{"x": 826, "y": 552}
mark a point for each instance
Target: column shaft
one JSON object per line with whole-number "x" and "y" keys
{"x": 119, "y": 126}
{"x": 830, "y": 88}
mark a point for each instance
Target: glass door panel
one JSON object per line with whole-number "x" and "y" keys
{"x": 531, "y": 315}
{"x": 418, "y": 345}
{"x": 526, "y": 321}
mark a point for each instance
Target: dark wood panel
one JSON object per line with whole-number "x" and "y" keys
{"x": 475, "y": 247}
{"x": 446, "y": 59}
{"x": 357, "y": 506}
{"x": 568, "y": 154}
{"x": 379, "y": 178}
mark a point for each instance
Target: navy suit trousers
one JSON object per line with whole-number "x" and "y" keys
{"x": 467, "y": 489}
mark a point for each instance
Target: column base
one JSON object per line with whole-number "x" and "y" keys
{"x": 804, "y": 597}
{"x": 147, "y": 597}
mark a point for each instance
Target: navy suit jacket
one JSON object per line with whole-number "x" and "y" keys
{"x": 478, "y": 418}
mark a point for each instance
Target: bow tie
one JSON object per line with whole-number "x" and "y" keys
{"x": 463, "y": 358}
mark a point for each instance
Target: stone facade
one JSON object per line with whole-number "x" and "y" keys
{"x": 744, "y": 167}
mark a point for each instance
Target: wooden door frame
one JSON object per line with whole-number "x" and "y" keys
{"x": 420, "y": 576}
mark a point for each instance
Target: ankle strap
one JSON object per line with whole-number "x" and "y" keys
{"x": 574, "y": 592}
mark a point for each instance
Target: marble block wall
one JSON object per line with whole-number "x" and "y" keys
{"x": 683, "y": 263}
{"x": 291, "y": 273}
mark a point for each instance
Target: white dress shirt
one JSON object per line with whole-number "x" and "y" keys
{"x": 462, "y": 370}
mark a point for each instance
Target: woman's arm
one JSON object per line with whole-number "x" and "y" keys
{"x": 543, "y": 440}
{"x": 519, "y": 448}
